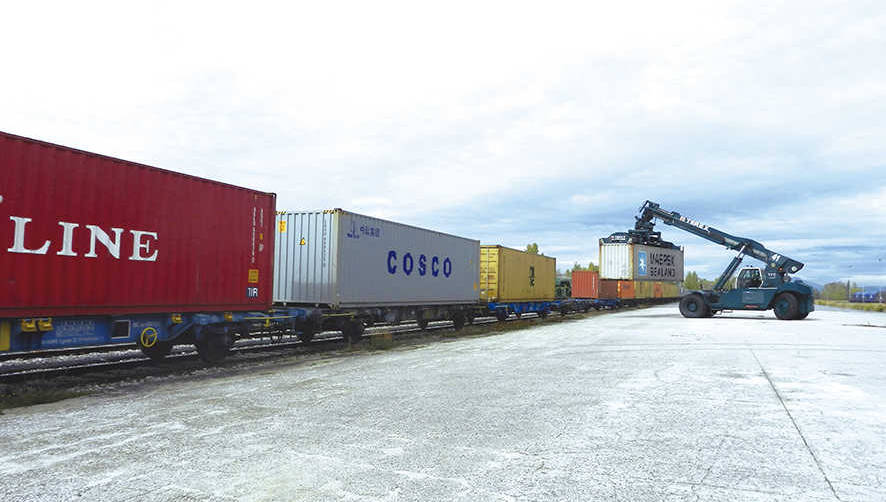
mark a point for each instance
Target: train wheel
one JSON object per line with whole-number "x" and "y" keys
{"x": 693, "y": 306}
{"x": 470, "y": 318}
{"x": 150, "y": 344}
{"x": 422, "y": 324}
{"x": 786, "y": 307}
{"x": 214, "y": 347}
{"x": 306, "y": 334}
{"x": 543, "y": 313}
{"x": 501, "y": 315}
{"x": 158, "y": 351}
{"x": 458, "y": 321}
{"x": 353, "y": 331}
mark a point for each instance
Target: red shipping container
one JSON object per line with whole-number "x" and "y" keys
{"x": 86, "y": 234}
{"x": 585, "y": 284}
{"x": 612, "y": 289}
{"x": 608, "y": 289}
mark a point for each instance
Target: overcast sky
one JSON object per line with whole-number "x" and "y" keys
{"x": 507, "y": 122}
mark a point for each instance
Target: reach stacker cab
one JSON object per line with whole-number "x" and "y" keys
{"x": 769, "y": 287}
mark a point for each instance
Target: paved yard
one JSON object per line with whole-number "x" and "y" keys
{"x": 638, "y": 405}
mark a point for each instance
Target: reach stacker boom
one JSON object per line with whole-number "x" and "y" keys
{"x": 755, "y": 289}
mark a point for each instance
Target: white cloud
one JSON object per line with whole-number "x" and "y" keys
{"x": 546, "y": 116}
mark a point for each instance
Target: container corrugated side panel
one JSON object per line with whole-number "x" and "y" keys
{"x": 653, "y": 263}
{"x": 626, "y": 289}
{"x": 306, "y": 258}
{"x": 644, "y": 289}
{"x": 616, "y": 261}
{"x": 608, "y": 289}
{"x": 585, "y": 284}
{"x": 670, "y": 290}
{"x": 344, "y": 259}
{"x": 385, "y": 263}
{"x": 524, "y": 276}
{"x": 212, "y": 240}
{"x": 489, "y": 261}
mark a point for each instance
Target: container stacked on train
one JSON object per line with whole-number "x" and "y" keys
{"x": 98, "y": 250}
{"x": 360, "y": 269}
{"x": 370, "y": 270}
{"x": 514, "y": 281}
{"x": 631, "y": 273}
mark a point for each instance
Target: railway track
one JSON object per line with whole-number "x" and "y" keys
{"x": 185, "y": 357}
{"x": 129, "y": 362}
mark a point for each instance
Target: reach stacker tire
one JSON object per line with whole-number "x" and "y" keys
{"x": 786, "y": 307}
{"x": 694, "y": 307}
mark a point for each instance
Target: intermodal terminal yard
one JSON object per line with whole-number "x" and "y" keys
{"x": 631, "y": 405}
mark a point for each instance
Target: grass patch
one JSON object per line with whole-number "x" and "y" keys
{"x": 867, "y": 307}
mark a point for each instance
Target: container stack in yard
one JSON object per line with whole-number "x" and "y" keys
{"x": 375, "y": 270}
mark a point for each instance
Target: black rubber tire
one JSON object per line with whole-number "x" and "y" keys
{"x": 158, "y": 352}
{"x": 422, "y": 324}
{"x": 802, "y": 316}
{"x": 693, "y": 307}
{"x": 786, "y": 307}
{"x": 458, "y": 321}
{"x": 501, "y": 315}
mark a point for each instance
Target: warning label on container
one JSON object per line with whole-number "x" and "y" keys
{"x": 253, "y": 276}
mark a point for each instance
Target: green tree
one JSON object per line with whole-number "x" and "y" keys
{"x": 836, "y": 291}
{"x": 593, "y": 268}
{"x": 532, "y": 248}
{"x": 692, "y": 281}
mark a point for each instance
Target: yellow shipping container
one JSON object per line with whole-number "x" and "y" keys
{"x": 508, "y": 275}
{"x": 670, "y": 290}
{"x": 644, "y": 289}
{"x": 656, "y": 289}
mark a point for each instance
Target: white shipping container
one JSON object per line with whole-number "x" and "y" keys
{"x": 625, "y": 261}
{"x": 616, "y": 261}
{"x": 342, "y": 259}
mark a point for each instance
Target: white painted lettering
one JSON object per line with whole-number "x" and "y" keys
{"x": 67, "y": 239}
{"x": 97, "y": 234}
{"x": 138, "y": 245}
{"x": 18, "y": 241}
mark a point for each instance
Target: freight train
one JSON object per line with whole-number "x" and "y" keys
{"x": 100, "y": 251}
{"x": 875, "y": 296}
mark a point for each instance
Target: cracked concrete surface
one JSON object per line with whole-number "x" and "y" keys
{"x": 638, "y": 405}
